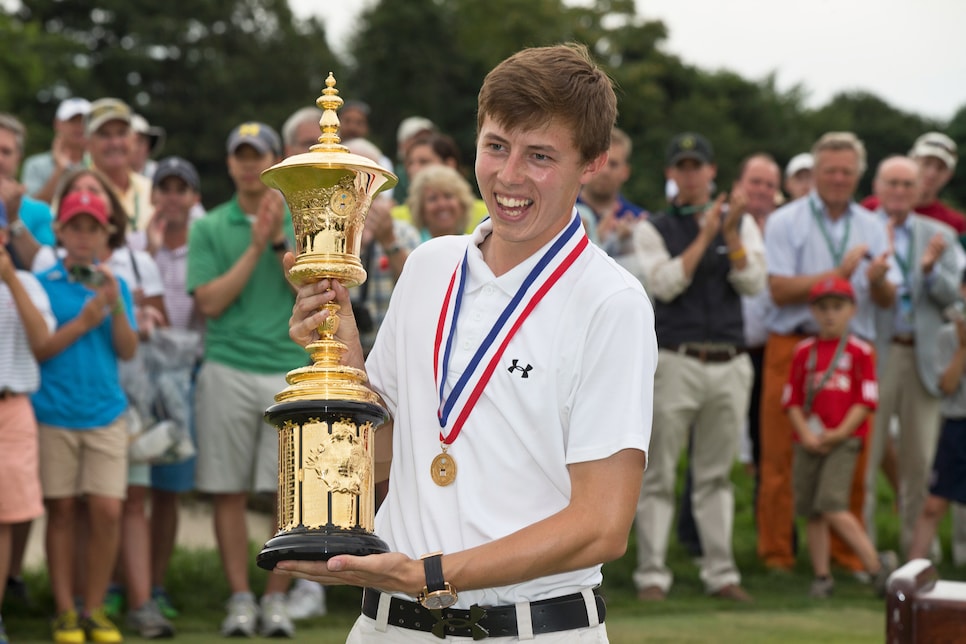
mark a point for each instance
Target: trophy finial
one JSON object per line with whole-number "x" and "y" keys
{"x": 329, "y": 102}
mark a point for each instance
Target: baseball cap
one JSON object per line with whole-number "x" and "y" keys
{"x": 689, "y": 146}
{"x": 104, "y": 110}
{"x": 936, "y": 144}
{"x": 413, "y": 125}
{"x": 258, "y": 135}
{"x": 154, "y": 133}
{"x": 177, "y": 167}
{"x": 831, "y": 287}
{"x": 799, "y": 162}
{"x": 83, "y": 203}
{"x": 72, "y": 107}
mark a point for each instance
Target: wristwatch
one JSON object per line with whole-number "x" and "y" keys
{"x": 280, "y": 247}
{"x": 438, "y": 593}
{"x": 17, "y": 227}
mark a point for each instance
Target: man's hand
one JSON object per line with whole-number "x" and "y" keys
{"x": 932, "y": 253}
{"x": 711, "y": 220}
{"x": 851, "y": 260}
{"x": 8, "y": 272}
{"x": 878, "y": 268}
{"x": 389, "y": 572}
{"x": 11, "y": 192}
{"x": 812, "y": 443}
{"x": 736, "y": 210}
{"x": 60, "y": 153}
{"x": 268, "y": 220}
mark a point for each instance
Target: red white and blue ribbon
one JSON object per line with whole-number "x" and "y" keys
{"x": 548, "y": 270}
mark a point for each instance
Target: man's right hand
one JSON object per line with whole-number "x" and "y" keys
{"x": 852, "y": 259}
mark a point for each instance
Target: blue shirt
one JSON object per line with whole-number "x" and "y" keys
{"x": 39, "y": 220}
{"x": 796, "y": 244}
{"x": 79, "y": 387}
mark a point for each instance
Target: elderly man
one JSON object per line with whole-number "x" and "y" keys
{"x": 697, "y": 265}
{"x": 820, "y": 236}
{"x": 925, "y": 251}
{"x": 109, "y": 144}
{"x": 936, "y": 155}
{"x": 42, "y": 172}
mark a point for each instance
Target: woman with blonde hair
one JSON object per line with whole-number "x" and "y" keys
{"x": 440, "y": 201}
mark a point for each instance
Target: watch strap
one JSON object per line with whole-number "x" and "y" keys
{"x": 17, "y": 227}
{"x": 433, "y": 567}
{"x": 281, "y": 246}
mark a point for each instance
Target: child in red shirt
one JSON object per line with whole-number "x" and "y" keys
{"x": 829, "y": 397}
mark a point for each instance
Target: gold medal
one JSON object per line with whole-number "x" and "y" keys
{"x": 443, "y": 469}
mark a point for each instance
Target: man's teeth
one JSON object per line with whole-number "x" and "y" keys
{"x": 507, "y": 202}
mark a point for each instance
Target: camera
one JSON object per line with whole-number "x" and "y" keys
{"x": 87, "y": 276}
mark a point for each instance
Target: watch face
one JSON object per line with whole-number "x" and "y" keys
{"x": 438, "y": 599}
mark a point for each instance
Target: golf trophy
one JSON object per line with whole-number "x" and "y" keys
{"x": 326, "y": 418}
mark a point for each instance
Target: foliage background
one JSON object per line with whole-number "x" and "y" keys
{"x": 199, "y": 67}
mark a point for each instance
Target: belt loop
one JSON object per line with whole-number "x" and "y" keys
{"x": 590, "y": 600}
{"x": 524, "y": 621}
{"x": 382, "y": 613}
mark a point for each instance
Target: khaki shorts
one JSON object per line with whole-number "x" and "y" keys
{"x": 91, "y": 461}
{"x": 237, "y": 449}
{"x": 822, "y": 483}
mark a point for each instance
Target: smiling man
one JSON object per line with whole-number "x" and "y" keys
{"x": 544, "y": 333}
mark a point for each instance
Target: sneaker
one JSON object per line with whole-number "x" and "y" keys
{"x": 66, "y": 629}
{"x": 242, "y": 616}
{"x": 161, "y": 598}
{"x": 149, "y": 622}
{"x": 275, "y": 619}
{"x": 651, "y": 594}
{"x": 888, "y": 562}
{"x": 305, "y": 600}
{"x": 99, "y": 628}
{"x": 821, "y": 588}
{"x": 114, "y": 602}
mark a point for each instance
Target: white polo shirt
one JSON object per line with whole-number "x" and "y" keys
{"x": 574, "y": 384}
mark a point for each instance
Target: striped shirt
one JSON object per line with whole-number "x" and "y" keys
{"x": 18, "y": 367}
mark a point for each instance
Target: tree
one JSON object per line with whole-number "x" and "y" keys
{"x": 196, "y": 68}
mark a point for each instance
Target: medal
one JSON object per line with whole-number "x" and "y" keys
{"x": 443, "y": 469}
{"x": 469, "y": 387}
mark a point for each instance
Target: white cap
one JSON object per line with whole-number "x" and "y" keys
{"x": 412, "y": 126}
{"x": 72, "y": 107}
{"x": 935, "y": 144}
{"x": 799, "y": 162}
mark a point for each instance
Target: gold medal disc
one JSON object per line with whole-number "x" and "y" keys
{"x": 443, "y": 469}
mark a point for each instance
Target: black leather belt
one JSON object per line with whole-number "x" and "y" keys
{"x": 706, "y": 352}
{"x": 547, "y": 616}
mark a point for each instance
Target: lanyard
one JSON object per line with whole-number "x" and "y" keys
{"x": 810, "y": 390}
{"x": 904, "y": 262}
{"x": 549, "y": 269}
{"x": 837, "y": 253}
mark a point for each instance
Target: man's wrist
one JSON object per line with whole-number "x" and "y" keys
{"x": 281, "y": 246}
{"x": 17, "y": 228}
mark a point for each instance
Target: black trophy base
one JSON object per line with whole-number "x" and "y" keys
{"x": 318, "y": 545}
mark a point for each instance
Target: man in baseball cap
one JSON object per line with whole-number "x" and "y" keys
{"x": 109, "y": 145}
{"x": 177, "y": 167}
{"x": 42, "y": 172}
{"x": 798, "y": 175}
{"x": 258, "y": 135}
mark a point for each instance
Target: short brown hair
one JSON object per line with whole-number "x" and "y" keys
{"x": 561, "y": 82}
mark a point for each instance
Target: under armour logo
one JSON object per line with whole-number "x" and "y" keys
{"x": 444, "y": 624}
{"x": 515, "y": 367}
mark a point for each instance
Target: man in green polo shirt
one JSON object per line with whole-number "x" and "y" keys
{"x": 236, "y": 277}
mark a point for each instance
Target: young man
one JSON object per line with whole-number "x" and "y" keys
{"x": 830, "y": 394}
{"x": 26, "y": 322}
{"x": 80, "y": 407}
{"x": 549, "y": 469}
{"x": 236, "y": 276}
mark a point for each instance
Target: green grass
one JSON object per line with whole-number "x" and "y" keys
{"x": 782, "y": 612}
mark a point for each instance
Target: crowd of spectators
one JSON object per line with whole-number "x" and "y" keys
{"x": 105, "y": 248}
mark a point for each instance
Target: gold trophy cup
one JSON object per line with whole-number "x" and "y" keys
{"x": 326, "y": 418}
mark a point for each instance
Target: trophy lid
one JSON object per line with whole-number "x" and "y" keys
{"x": 328, "y": 154}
